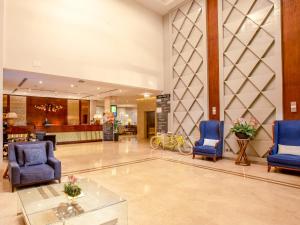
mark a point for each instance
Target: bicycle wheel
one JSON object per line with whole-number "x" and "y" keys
{"x": 155, "y": 142}
{"x": 185, "y": 148}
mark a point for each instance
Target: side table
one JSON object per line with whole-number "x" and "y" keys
{"x": 242, "y": 158}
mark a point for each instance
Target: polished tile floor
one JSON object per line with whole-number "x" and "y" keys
{"x": 165, "y": 188}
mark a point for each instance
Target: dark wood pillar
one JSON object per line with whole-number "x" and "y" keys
{"x": 213, "y": 58}
{"x": 291, "y": 57}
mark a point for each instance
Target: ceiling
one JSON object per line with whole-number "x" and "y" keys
{"x": 43, "y": 85}
{"x": 160, "y": 6}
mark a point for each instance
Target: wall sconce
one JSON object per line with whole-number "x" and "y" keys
{"x": 48, "y": 107}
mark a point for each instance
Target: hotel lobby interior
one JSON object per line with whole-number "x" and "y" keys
{"x": 150, "y": 112}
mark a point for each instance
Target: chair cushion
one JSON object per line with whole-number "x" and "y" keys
{"x": 205, "y": 150}
{"x": 37, "y": 173}
{"x": 210, "y": 142}
{"x": 286, "y": 159}
{"x": 20, "y": 150}
{"x": 289, "y": 149}
{"x": 20, "y": 155}
{"x": 35, "y": 156}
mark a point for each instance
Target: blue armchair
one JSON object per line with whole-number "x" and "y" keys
{"x": 285, "y": 132}
{"x": 211, "y": 129}
{"x": 31, "y": 163}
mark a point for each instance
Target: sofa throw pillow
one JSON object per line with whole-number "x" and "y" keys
{"x": 289, "y": 149}
{"x": 210, "y": 142}
{"x": 20, "y": 151}
{"x": 35, "y": 156}
{"x": 20, "y": 155}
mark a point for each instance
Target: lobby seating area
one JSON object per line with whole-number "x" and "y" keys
{"x": 285, "y": 153}
{"x": 31, "y": 163}
{"x": 210, "y": 130}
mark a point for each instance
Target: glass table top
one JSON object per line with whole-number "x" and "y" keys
{"x": 49, "y": 204}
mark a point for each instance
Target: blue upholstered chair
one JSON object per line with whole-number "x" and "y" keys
{"x": 31, "y": 163}
{"x": 286, "y": 132}
{"x": 211, "y": 129}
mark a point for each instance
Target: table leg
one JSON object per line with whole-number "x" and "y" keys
{"x": 242, "y": 158}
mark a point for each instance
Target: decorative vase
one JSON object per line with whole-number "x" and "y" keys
{"x": 242, "y": 135}
{"x": 116, "y": 136}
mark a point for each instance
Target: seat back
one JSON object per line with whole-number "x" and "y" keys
{"x": 287, "y": 132}
{"x": 211, "y": 129}
{"x": 12, "y": 149}
{"x": 40, "y": 135}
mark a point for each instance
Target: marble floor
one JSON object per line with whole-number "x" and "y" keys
{"x": 165, "y": 188}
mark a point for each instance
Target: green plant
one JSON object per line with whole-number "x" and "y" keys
{"x": 71, "y": 188}
{"x": 247, "y": 128}
{"x": 117, "y": 123}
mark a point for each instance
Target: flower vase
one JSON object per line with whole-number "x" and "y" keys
{"x": 241, "y": 135}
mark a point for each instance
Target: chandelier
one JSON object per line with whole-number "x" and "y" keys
{"x": 48, "y": 107}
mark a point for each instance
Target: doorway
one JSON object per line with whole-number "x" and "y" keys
{"x": 150, "y": 124}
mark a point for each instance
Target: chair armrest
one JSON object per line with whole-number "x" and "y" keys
{"x": 273, "y": 150}
{"x": 14, "y": 173}
{"x": 218, "y": 144}
{"x": 199, "y": 142}
{"x": 56, "y": 165}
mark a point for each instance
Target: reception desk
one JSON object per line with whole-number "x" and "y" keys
{"x": 65, "y": 134}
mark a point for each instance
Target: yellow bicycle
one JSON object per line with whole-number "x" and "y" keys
{"x": 172, "y": 142}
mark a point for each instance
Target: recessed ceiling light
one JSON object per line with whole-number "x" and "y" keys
{"x": 147, "y": 95}
{"x": 71, "y": 85}
{"x": 98, "y": 88}
{"x": 40, "y": 82}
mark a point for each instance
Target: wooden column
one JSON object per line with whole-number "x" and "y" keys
{"x": 291, "y": 57}
{"x": 213, "y": 58}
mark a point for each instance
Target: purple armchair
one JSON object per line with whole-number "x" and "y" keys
{"x": 32, "y": 162}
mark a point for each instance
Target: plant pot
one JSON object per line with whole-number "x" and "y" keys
{"x": 116, "y": 136}
{"x": 242, "y": 136}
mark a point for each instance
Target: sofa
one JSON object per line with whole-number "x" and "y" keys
{"x": 31, "y": 163}
{"x": 285, "y": 152}
{"x": 210, "y": 131}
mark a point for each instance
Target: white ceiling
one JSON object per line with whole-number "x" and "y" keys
{"x": 35, "y": 84}
{"x": 160, "y": 6}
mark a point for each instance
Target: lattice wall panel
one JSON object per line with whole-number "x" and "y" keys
{"x": 189, "y": 68}
{"x": 251, "y": 68}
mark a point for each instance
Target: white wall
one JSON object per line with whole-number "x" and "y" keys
{"x": 185, "y": 67}
{"x": 126, "y": 113}
{"x": 93, "y": 108}
{"x": 106, "y": 40}
{"x": 1, "y": 74}
{"x": 251, "y": 74}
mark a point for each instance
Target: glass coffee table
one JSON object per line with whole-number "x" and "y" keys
{"x": 48, "y": 205}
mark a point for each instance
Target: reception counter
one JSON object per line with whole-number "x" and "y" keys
{"x": 65, "y": 134}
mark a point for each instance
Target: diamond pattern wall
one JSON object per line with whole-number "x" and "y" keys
{"x": 251, "y": 75}
{"x": 189, "y": 68}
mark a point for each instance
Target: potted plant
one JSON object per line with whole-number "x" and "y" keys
{"x": 71, "y": 188}
{"x": 116, "y": 129}
{"x": 244, "y": 129}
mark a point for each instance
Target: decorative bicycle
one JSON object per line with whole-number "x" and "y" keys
{"x": 172, "y": 142}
